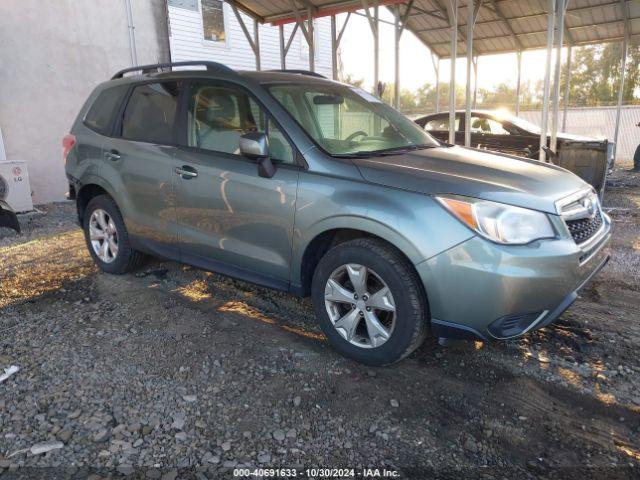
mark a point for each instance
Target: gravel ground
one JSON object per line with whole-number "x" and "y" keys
{"x": 174, "y": 372}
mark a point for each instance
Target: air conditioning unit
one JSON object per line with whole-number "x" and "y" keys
{"x": 14, "y": 186}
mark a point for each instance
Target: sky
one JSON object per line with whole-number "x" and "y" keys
{"x": 416, "y": 67}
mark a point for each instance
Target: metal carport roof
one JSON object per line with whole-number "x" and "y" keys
{"x": 487, "y": 27}
{"x": 501, "y": 25}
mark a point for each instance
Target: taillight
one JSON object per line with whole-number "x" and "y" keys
{"x": 67, "y": 144}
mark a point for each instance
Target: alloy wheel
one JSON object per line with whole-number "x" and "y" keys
{"x": 103, "y": 235}
{"x": 360, "y": 305}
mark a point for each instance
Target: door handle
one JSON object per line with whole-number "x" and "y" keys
{"x": 186, "y": 172}
{"x": 112, "y": 155}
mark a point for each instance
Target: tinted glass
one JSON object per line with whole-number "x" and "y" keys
{"x": 150, "y": 113}
{"x": 104, "y": 108}
{"x": 220, "y": 114}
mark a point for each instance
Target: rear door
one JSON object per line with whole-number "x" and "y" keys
{"x": 230, "y": 219}
{"x": 139, "y": 162}
{"x": 96, "y": 127}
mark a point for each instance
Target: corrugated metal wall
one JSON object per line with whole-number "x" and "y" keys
{"x": 187, "y": 43}
{"x": 600, "y": 122}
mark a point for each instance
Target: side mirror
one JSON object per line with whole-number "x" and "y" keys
{"x": 255, "y": 145}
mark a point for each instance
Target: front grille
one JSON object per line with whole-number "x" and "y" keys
{"x": 584, "y": 228}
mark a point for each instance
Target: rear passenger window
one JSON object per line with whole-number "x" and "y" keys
{"x": 150, "y": 112}
{"x": 104, "y": 108}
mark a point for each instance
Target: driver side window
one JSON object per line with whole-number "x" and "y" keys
{"x": 487, "y": 125}
{"x": 441, "y": 124}
{"x": 219, "y": 115}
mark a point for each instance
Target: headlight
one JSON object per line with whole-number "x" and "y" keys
{"x": 499, "y": 222}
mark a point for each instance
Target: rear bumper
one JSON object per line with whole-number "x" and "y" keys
{"x": 480, "y": 290}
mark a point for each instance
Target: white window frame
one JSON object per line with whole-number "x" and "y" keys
{"x": 225, "y": 20}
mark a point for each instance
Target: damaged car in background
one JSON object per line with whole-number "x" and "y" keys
{"x": 589, "y": 158}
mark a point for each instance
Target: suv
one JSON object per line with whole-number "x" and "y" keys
{"x": 299, "y": 183}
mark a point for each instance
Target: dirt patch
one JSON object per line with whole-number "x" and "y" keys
{"x": 172, "y": 369}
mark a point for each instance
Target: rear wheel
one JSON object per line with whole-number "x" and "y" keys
{"x": 107, "y": 238}
{"x": 369, "y": 302}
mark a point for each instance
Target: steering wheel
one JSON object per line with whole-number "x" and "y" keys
{"x": 359, "y": 133}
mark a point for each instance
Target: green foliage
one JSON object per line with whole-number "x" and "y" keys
{"x": 595, "y": 77}
{"x": 356, "y": 82}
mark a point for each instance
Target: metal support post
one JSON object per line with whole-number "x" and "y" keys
{"x": 551, "y": 14}
{"x": 453, "y": 23}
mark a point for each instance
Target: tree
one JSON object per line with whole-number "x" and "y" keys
{"x": 356, "y": 82}
{"x": 408, "y": 98}
{"x": 595, "y": 75}
{"x": 504, "y": 96}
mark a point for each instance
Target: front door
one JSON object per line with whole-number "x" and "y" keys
{"x": 230, "y": 219}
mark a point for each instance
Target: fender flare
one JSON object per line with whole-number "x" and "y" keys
{"x": 347, "y": 222}
{"x": 92, "y": 179}
{"x": 364, "y": 224}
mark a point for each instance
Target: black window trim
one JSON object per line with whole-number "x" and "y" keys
{"x": 181, "y": 129}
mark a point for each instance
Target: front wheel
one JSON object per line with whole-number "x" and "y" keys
{"x": 369, "y": 302}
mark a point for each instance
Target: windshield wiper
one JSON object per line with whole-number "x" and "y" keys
{"x": 383, "y": 151}
{"x": 406, "y": 148}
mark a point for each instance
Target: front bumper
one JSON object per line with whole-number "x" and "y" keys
{"x": 482, "y": 290}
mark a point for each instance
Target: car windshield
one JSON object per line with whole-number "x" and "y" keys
{"x": 347, "y": 121}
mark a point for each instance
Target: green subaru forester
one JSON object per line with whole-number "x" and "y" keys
{"x": 299, "y": 183}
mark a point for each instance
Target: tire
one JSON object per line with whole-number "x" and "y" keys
{"x": 126, "y": 259}
{"x": 408, "y": 327}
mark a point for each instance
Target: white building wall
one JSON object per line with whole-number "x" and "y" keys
{"x": 52, "y": 54}
{"x": 188, "y": 43}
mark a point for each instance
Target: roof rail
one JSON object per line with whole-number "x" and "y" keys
{"x": 212, "y": 66}
{"x": 300, "y": 72}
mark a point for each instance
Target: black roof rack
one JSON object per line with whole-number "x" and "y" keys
{"x": 212, "y": 66}
{"x": 300, "y": 72}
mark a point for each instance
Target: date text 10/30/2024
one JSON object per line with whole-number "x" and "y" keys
{"x": 316, "y": 473}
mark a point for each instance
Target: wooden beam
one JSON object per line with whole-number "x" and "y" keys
{"x": 245, "y": 30}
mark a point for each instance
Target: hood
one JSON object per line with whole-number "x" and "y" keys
{"x": 577, "y": 138}
{"x": 490, "y": 176}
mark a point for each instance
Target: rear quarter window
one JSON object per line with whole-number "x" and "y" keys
{"x": 101, "y": 113}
